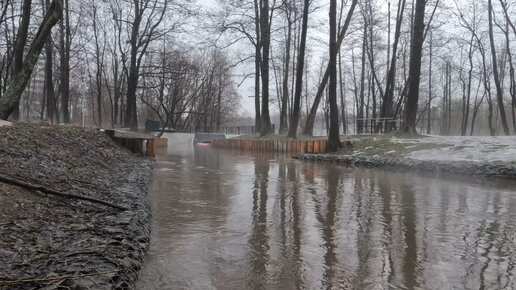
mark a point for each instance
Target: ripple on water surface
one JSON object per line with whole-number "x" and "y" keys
{"x": 229, "y": 220}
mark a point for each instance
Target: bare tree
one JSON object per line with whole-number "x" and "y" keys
{"x": 430, "y": 87}
{"x": 512, "y": 74}
{"x": 189, "y": 91}
{"x": 360, "y": 102}
{"x": 52, "y": 111}
{"x": 143, "y": 25}
{"x": 294, "y": 122}
{"x": 100, "y": 39}
{"x": 466, "y": 88}
{"x": 499, "y": 93}
{"x": 310, "y": 120}
{"x": 334, "y": 143}
{"x": 19, "y": 46}
{"x": 415, "y": 68}
{"x": 265, "y": 30}
{"x": 11, "y": 97}
{"x": 288, "y": 7}
{"x": 388, "y": 98}
{"x": 64, "y": 51}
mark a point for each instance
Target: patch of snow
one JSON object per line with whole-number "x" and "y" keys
{"x": 5, "y": 123}
{"x": 478, "y": 148}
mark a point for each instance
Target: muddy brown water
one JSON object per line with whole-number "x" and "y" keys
{"x": 229, "y": 220}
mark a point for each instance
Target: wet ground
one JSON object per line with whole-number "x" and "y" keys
{"x": 52, "y": 242}
{"x": 229, "y": 220}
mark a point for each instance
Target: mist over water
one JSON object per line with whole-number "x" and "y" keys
{"x": 232, "y": 220}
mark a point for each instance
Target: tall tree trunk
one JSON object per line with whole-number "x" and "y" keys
{"x": 49, "y": 80}
{"x": 388, "y": 37}
{"x": 19, "y": 47}
{"x": 13, "y": 94}
{"x": 99, "y": 62}
{"x": 310, "y": 120}
{"x": 65, "y": 45}
{"x": 499, "y": 93}
{"x": 99, "y": 97}
{"x": 334, "y": 143}
{"x": 342, "y": 98}
{"x": 487, "y": 88}
{"x": 285, "y": 95}
{"x": 388, "y": 98}
{"x": 294, "y": 122}
{"x": 116, "y": 94}
{"x": 296, "y": 41}
{"x": 360, "y": 115}
{"x": 131, "y": 117}
{"x": 492, "y": 129}
{"x": 257, "y": 65}
{"x": 512, "y": 88}
{"x": 374, "y": 77}
{"x": 415, "y": 68}
{"x": 430, "y": 88}
{"x": 449, "y": 99}
{"x": 476, "y": 107}
{"x": 266, "y": 127}
{"x": 445, "y": 102}
{"x": 465, "y": 110}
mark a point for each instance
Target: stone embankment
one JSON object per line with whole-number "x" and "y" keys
{"x": 488, "y": 169}
{"x": 51, "y": 242}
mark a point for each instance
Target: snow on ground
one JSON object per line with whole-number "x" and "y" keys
{"x": 478, "y": 149}
{"x": 5, "y": 123}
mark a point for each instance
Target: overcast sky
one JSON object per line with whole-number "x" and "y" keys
{"x": 316, "y": 41}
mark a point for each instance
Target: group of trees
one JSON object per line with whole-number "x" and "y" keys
{"x": 189, "y": 92}
{"x": 430, "y": 66}
{"x": 111, "y": 63}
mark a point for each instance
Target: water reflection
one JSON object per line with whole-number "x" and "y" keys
{"x": 230, "y": 220}
{"x": 259, "y": 240}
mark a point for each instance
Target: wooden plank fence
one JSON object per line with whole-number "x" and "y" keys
{"x": 288, "y": 147}
{"x": 150, "y": 147}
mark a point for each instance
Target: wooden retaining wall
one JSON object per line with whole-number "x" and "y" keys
{"x": 150, "y": 147}
{"x": 144, "y": 146}
{"x": 288, "y": 147}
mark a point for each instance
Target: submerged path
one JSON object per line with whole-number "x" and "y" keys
{"x": 225, "y": 220}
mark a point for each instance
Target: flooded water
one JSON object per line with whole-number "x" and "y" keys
{"x": 228, "y": 220}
